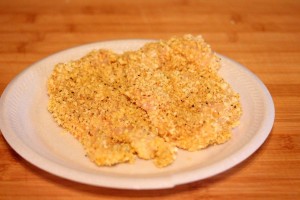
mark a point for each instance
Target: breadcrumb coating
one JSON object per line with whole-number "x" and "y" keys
{"x": 145, "y": 103}
{"x": 204, "y": 107}
{"x": 110, "y": 127}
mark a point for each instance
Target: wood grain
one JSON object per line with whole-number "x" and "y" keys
{"x": 262, "y": 35}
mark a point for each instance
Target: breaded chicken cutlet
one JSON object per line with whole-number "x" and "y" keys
{"x": 144, "y": 103}
{"x": 111, "y": 128}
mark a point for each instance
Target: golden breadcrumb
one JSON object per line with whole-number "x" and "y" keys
{"x": 145, "y": 103}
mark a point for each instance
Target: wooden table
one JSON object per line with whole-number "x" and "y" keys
{"x": 262, "y": 35}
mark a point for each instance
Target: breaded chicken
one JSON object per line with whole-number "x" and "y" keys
{"x": 205, "y": 108}
{"x": 110, "y": 127}
{"x": 144, "y": 103}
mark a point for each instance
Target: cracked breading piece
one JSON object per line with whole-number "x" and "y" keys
{"x": 111, "y": 128}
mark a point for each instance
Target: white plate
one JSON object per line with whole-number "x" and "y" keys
{"x": 29, "y": 129}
